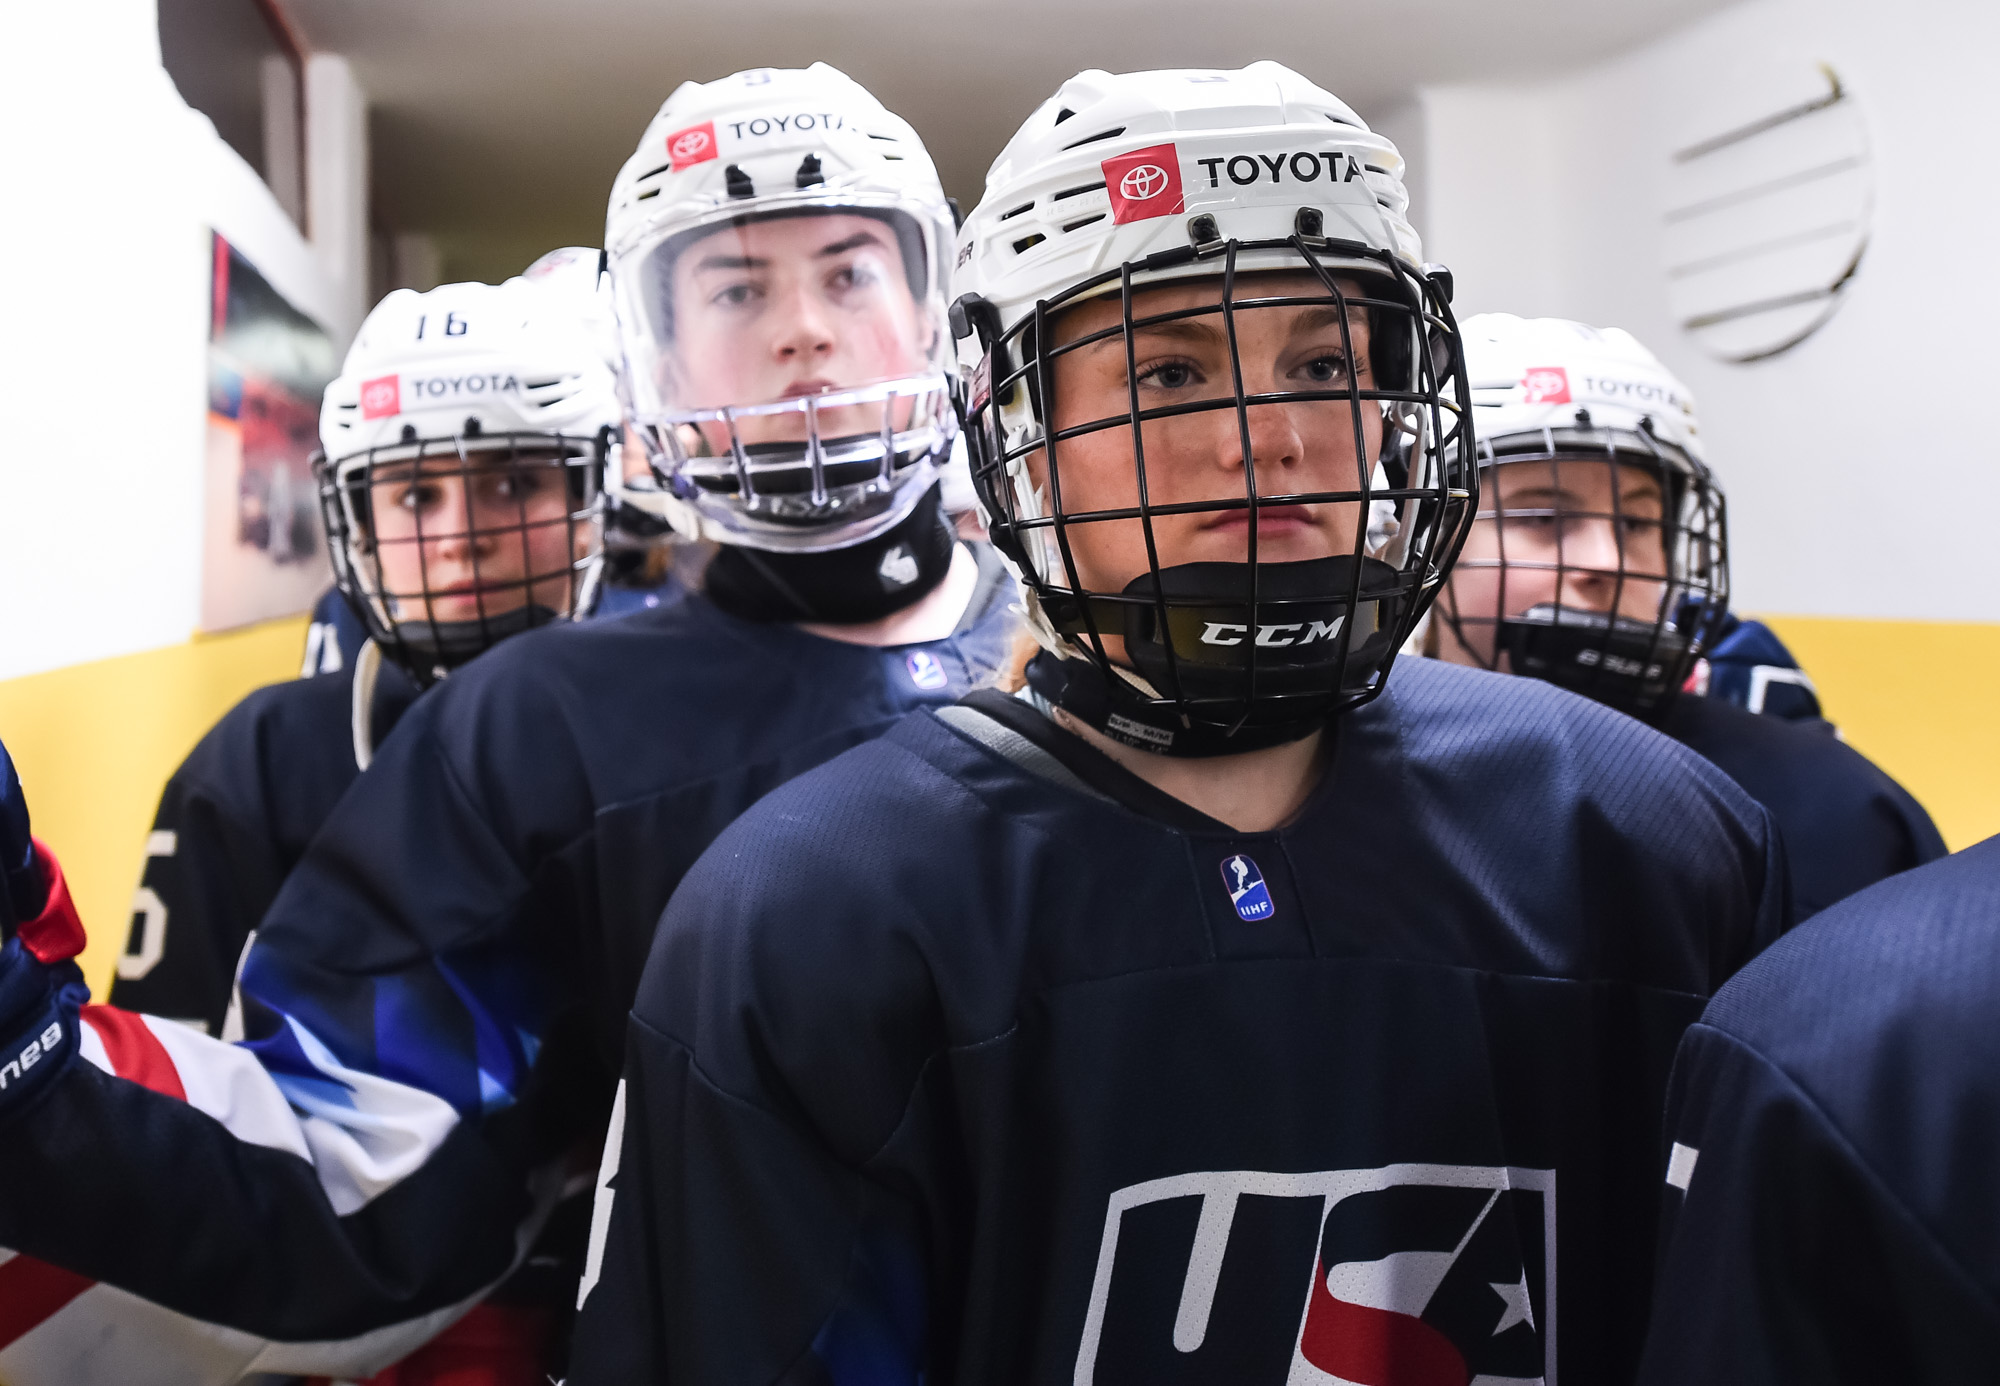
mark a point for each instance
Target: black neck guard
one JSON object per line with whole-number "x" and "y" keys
{"x": 841, "y": 586}
{"x": 1114, "y": 707}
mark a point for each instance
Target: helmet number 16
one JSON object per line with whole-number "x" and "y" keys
{"x": 454, "y": 325}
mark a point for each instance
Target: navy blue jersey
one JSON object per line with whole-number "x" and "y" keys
{"x": 232, "y": 823}
{"x": 619, "y": 600}
{"x": 971, "y": 1057}
{"x": 334, "y": 636}
{"x": 434, "y": 1006}
{"x": 1834, "y": 1179}
{"x": 1846, "y": 825}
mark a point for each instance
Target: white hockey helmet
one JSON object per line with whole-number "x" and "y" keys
{"x": 802, "y": 464}
{"x": 477, "y": 387}
{"x": 1553, "y": 391}
{"x": 1123, "y": 182}
{"x": 580, "y": 266}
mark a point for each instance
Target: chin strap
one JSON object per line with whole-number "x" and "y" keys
{"x": 1114, "y": 707}
{"x": 841, "y": 586}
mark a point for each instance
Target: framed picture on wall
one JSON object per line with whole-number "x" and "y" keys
{"x": 262, "y": 554}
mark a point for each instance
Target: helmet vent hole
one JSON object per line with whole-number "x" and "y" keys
{"x": 473, "y": 428}
{"x": 738, "y": 182}
{"x": 654, "y": 173}
{"x": 1583, "y": 418}
{"x": 1084, "y": 221}
{"x": 409, "y": 433}
{"x": 1110, "y": 134}
{"x": 1077, "y": 191}
{"x": 1024, "y": 207}
{"x": 1064, "y": 114}
{"x": 1027, "y": 243}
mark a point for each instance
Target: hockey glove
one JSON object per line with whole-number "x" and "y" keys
{"x": 41, "y": 989}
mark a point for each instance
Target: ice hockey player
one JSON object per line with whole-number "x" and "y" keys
{"x": 1212, "y": 1012}
{"x": 434, "y": 1006}
{"x": 454, "y": 519}
{"x": 1834, "y": 1162}
{"x": 1600, "y": 562}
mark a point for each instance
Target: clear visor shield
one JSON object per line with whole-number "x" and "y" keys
{"x": 1239, "y": 481}
{"x": 1598, "y": 561}
{"x": 450, "y": 545}
{"x": 789, "y": 367}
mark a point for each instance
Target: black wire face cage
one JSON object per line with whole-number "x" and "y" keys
{"x": 1611, "y": 574}
{"x": 446, "y": 546}
{"x": 1224, "y": 647}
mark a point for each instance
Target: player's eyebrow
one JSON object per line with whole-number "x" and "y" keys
{"x": 730, "y": 262}
{"x": 1328, "y": 315}
{"x": 853, "y": 242}
{"x": 1184, "y": 329}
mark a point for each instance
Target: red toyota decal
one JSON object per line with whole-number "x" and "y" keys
{"x": 381, "y": 397}
{"x": 1143, "y": 184}
{"x": 694, "y": 145}
{"x": 1545, "y": 385}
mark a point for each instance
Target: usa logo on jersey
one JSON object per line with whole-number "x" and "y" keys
{"x": 1407, "y": 1275}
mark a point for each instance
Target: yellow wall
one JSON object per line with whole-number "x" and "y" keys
{"x": 96, "y": 742}
{"x": 1919, "y": 698}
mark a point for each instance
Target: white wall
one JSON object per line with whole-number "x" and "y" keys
{"x": 1863, "y": 474}
{"x": 112, "y": 187}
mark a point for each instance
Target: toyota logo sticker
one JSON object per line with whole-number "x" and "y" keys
{"x": 1545, "y": 385}
{"x": 1143, "y": 184}
{"x": 694, "y": 145}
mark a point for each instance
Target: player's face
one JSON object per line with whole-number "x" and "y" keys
{"x": 1588, "y": 534}
{"x": 1295, "y": 448}
{"x": 790, "y": 307}
{"x": 481, "y": 538}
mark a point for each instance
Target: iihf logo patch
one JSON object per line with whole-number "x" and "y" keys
{"x": 925, "y": 670}
{"x": 1246, "y": 888}
{"x": 1407, "y": 1275}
